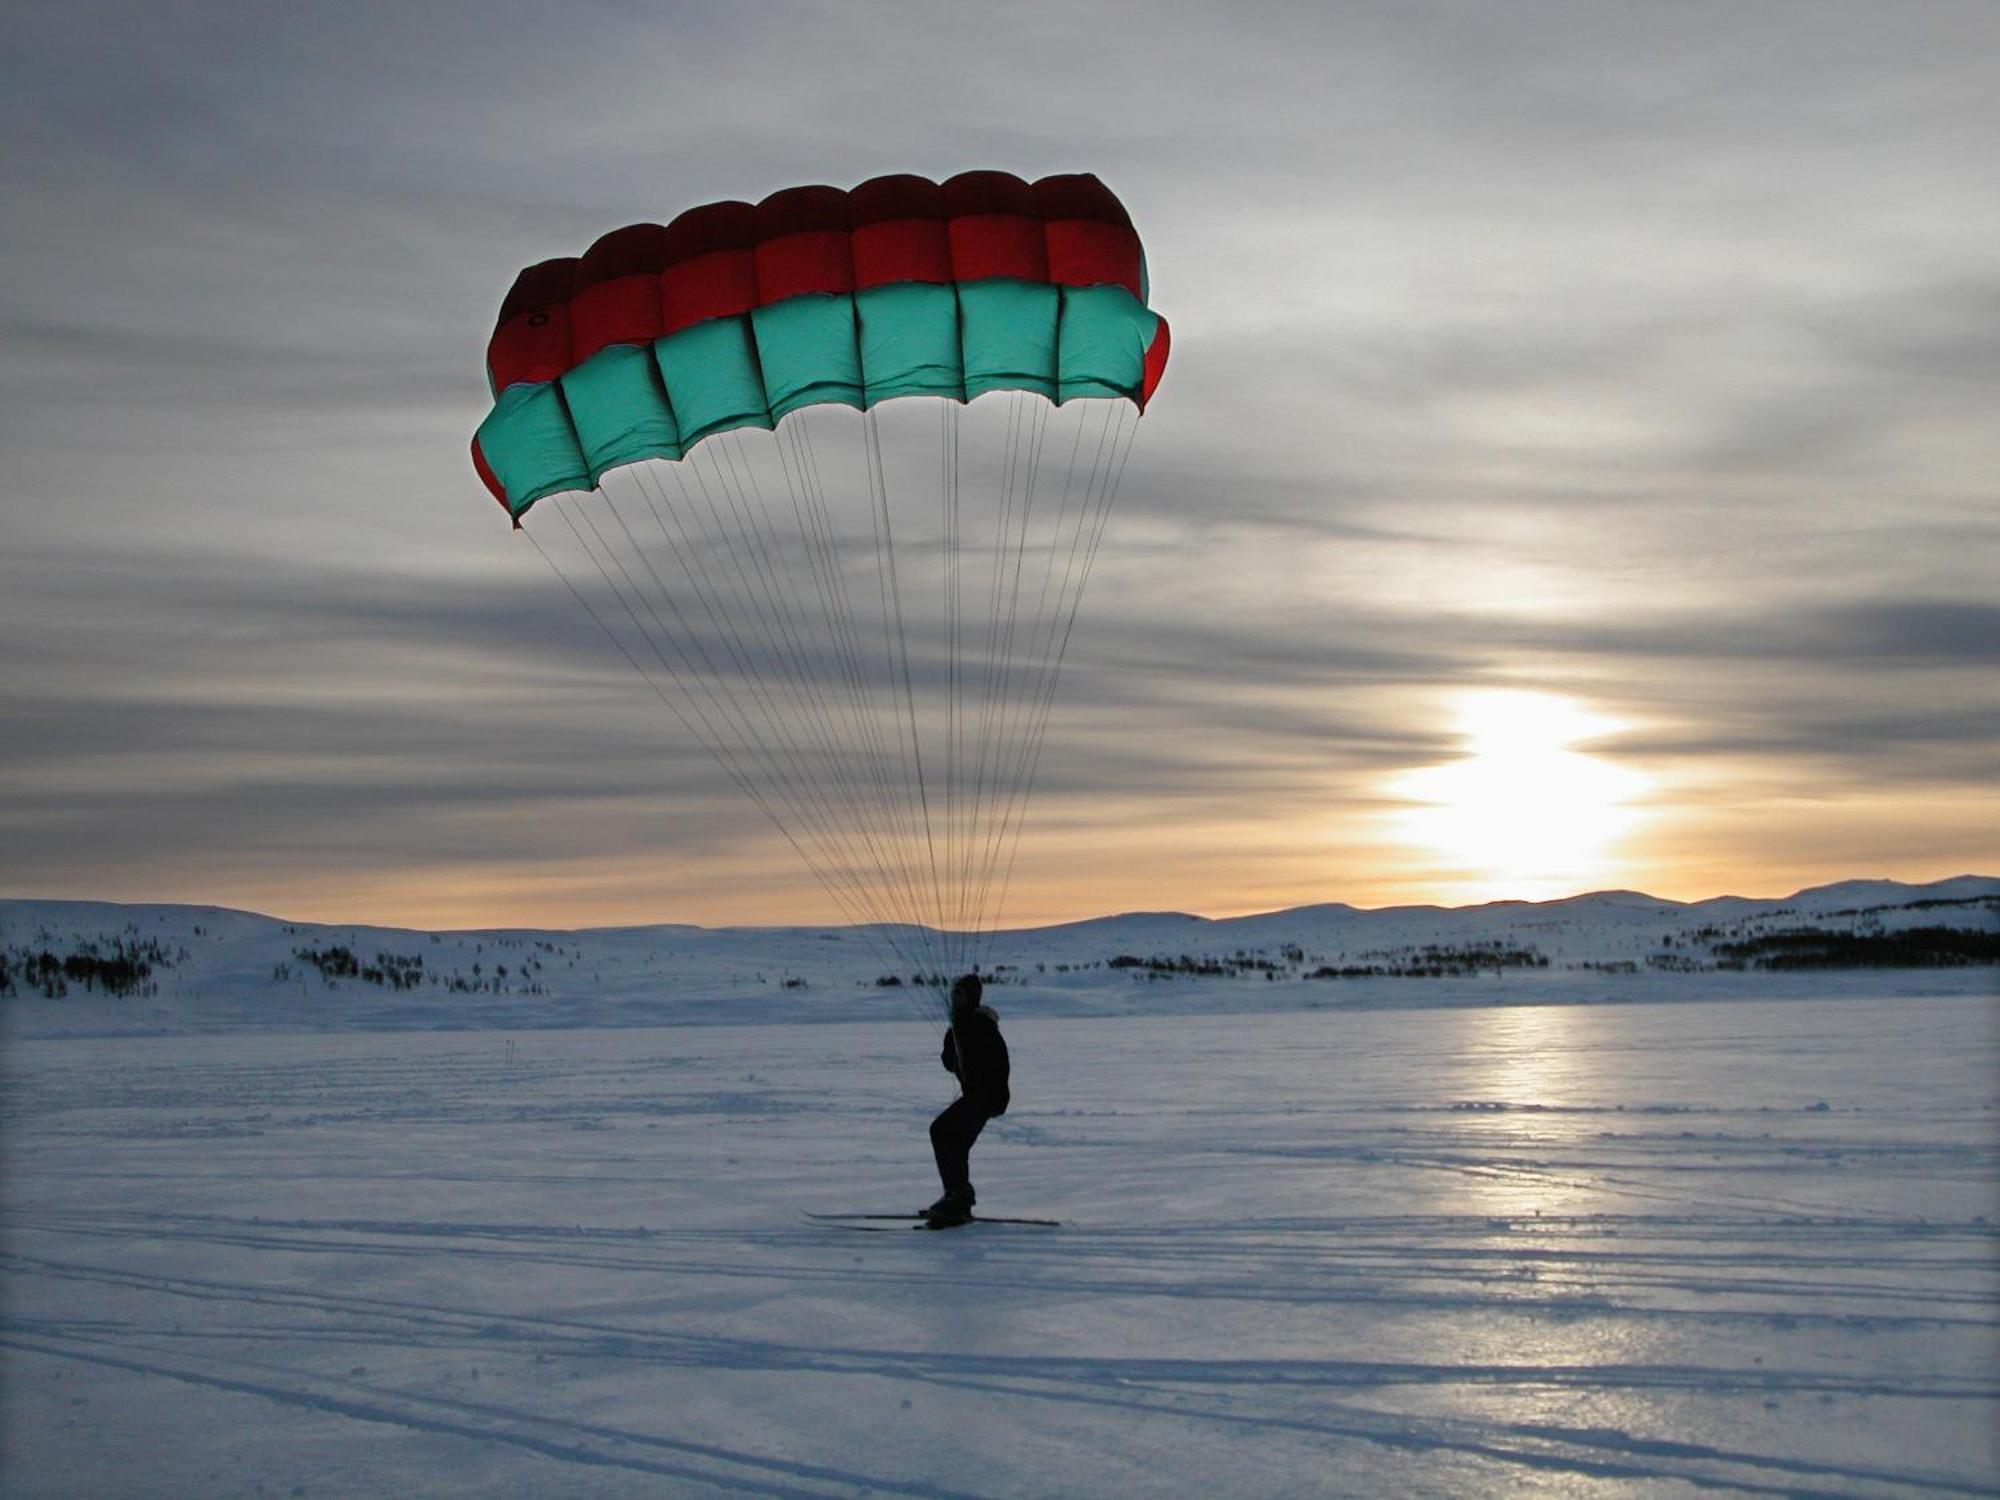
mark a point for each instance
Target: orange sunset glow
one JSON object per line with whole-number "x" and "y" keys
{"x": 1529, "y": 506}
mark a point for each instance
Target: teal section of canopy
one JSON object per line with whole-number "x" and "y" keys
{"x": 618, "y": 407}
{"x": 712, "y": 378}
{"x": 1009, "y": 331}
{"x": 809, "y": 352}
{"x": 531, "y": 445}
{"x": 909, "y": 341}
{"x": 629, "y": 403}
{"x": 1101, "y": 343}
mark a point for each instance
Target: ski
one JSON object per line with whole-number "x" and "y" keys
{"x": 811, "y": 1215}
{"x": 882, "y": 1223}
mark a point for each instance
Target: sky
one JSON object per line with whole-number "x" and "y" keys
{"x": 1577, "y": 468}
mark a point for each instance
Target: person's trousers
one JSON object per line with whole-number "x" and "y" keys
{"x": 952, "y": 1135}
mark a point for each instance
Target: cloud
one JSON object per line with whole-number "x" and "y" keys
{"x": 1647, "y": 356}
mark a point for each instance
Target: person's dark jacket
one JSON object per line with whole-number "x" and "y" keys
{"x": 982, "y": 1074}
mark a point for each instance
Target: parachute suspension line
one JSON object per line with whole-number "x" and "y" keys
{"x": 1098, "y": 492}
{"x": 899, "y": 828}
{"x": 1020, "y": 418}
{"x": 776, "y": 671}
{"x": 895, "y": 817}
{"x": 1023, "y": 741}
{"x": 774, "y": 593}
{"x": 796, "y": 773}
{"x": 886, "y": 551}
{"x": 835, "y": 744}
{"x": 786, "y": 785}
{"x": 1010, "y": 716}
{"x": 1114, "y": 476}
{"x": 698, "y": 726}
{"x": 958, "y": 726}
{"x": 1012, "y": 535}
{"x": 1002, "y": 511}
{"x": 948, "y": 575}
{"x": 1017, "y": 718}
{"x": 1009, "y": 557}
{"x": 977, "y": 774}
{"x": 792, "y": 777}
{"x": 873, "y": 812}
{"x": 728, "y": 708}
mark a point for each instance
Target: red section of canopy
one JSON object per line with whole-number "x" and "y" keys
{"x": 1156, "y": 364}
{"x": 532, "y": 342}
{"x": 996, "y": 228}
{"x": 491, "y": 480}
{"x": 617, "y": 288}
{"x": 802, "y": 243}
{"x": 706, "y": 270}
{"x": 642, "y": 282}
{"x": 901, "y": 232}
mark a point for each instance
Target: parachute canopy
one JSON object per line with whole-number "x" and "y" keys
{"x": 736, "y": 314}
{"x": 861, "y": 612}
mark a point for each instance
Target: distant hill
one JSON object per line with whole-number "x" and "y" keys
{"x": 71, "y": 967}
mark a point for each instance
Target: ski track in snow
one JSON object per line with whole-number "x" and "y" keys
{"x": 1709, "y": 1247}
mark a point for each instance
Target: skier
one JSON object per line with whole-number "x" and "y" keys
{"x": 976, "y": 1052}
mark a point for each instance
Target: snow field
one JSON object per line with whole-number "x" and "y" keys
{"x": 1740, "y": 1247}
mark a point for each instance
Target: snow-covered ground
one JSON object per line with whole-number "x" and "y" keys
{"x": 218, "y": 971}
{"x": 295, "y": 1209}
{"x": 1742, "y": 1242}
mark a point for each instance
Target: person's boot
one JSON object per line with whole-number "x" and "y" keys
{"x": 955, "y": 1207}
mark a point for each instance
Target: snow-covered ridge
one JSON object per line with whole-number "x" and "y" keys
{"x": 82, "y": 966}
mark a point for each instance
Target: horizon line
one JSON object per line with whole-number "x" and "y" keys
{"x": 1034, "y": 928}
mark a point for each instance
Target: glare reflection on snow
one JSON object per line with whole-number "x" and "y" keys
{"x": 1527, "y": 1068}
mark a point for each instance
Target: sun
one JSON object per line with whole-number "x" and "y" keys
{"x": 1523, "y": 813}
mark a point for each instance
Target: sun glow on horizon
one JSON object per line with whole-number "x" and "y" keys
{"x": 1523, "y": 814}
